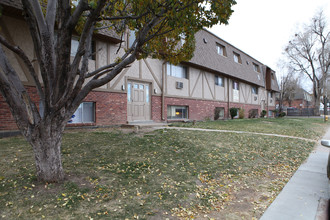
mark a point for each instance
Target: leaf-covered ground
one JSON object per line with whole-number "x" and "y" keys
{"x": 161, "y": 174}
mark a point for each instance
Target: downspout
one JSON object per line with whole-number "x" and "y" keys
{"x": 228, "y": 101}
{"x": 163, "y": 92}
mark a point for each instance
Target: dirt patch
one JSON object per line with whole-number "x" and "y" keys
{"x": 54, "y": 188}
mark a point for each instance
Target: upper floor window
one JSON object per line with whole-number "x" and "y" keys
{"x": 237, "y": 58}
{"x": 176, "y": 71}
{"x": 75, "y": 45}
{"x": 256, "y": 67}
{"x": 270, "y": 95}
{"x": 221, "y": 50}
{"x": 254, "y": 90}
{"x": 235, "y": 85}
{"x": 219, "y": 81}
{"x": 131, "y": 38}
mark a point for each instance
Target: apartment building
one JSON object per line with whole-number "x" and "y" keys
{"x": 217, "y": 78}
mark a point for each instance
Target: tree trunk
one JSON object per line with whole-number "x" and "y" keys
{"x": 317, "y": 106}
{"x": 46, "y": 145}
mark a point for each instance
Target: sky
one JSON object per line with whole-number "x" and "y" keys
{"x": 262, "y": 28}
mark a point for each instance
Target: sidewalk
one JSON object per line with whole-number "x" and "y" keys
{"x": 301, "y": 196}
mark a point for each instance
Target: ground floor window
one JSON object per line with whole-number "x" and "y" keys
{"x": 270, "y": 113}
{"x": 84, "y": 114}
{"x": 219, "y": 113}
{"x": 177, "y": 112}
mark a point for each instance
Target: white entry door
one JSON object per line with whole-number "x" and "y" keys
{"x": 138, "y": 101}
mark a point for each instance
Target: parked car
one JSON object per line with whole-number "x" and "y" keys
{"x": 326, "y": 143}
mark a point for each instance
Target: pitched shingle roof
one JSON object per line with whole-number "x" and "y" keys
{"x": 206, "y": 55}
{"x": 106, "y": 34}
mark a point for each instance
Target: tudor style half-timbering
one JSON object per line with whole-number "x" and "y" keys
{"x": 217, "y": 78}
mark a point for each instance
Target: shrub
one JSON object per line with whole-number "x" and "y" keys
{"x": 241, "y": 113}
{"x": 282, "y": 114}
{"x": 233, "y": 112}
{"x": 263, "y": 113}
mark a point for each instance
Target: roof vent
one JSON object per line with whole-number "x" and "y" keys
{"x": 205, "y": 41}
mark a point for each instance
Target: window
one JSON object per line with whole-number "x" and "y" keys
{"x": 221, "y": 50}
{"x": 270, "y": 95}
{"x": 237, "y": 58}
{"x": 219, "y": 81}
{"x": 254, "y": 90}
{"x": 177, "y": 112}
{"x": 75, "y": 45}
{"x": 256, "y": 67}
{"x": 131, "y": 38}
{"x": 235, "y": 85}
{"x": 84, "y": 114}
{"x": 235, "y": 91}
{"x": 219, "y": 113}
{"x": 176, "y": 71}
{"x": 270, "y": 113}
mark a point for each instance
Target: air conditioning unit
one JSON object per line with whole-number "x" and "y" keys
{"x": 179, "y": 85}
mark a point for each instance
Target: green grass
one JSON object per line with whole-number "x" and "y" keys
{"x": 299, "y": 127}
{"x": 114, "y": 175}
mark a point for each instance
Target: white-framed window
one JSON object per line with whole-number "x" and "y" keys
{"x": 221, "y": 50}
{"x": 177, "y": 112}
{"x": 131, "y": 38}
{"x": 235, "y": 85}
{"x": 85, "y": 113}
{"x": 256, "y": 67}
{"x": 178, "y": 71}
{"x": 254, "y": 90}
{"x": 237, "y": 58}
{"x": 235, "y": 91}
{"x": 219, "y": 81}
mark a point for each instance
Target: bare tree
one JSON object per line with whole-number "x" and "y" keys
{"x": 65, "y": 82}
{"x": 309, "y": 53}
{"x": 288, "y": 86}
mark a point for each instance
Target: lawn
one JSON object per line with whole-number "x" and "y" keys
{"x": 298, "y": 127}
{"x": 115, "y": 174}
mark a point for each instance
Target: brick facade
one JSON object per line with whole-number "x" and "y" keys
{"x": 7, "y": 121}
{"x": 204, "y": 109}
{"x": 110, "y": 109}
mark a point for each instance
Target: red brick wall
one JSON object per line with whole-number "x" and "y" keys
{"x": 156, "y": 108}
{"x": 110, "y": 109}
{"x": 246, "y": 107}
{"x": 204, "y": 109}
{"x": 198, "y": 109}
{"x": 7, "y": 121}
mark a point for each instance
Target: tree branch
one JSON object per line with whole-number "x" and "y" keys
{"x": 27, "y": 62}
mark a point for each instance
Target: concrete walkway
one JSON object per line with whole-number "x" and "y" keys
{"x": 301, "y": 196}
